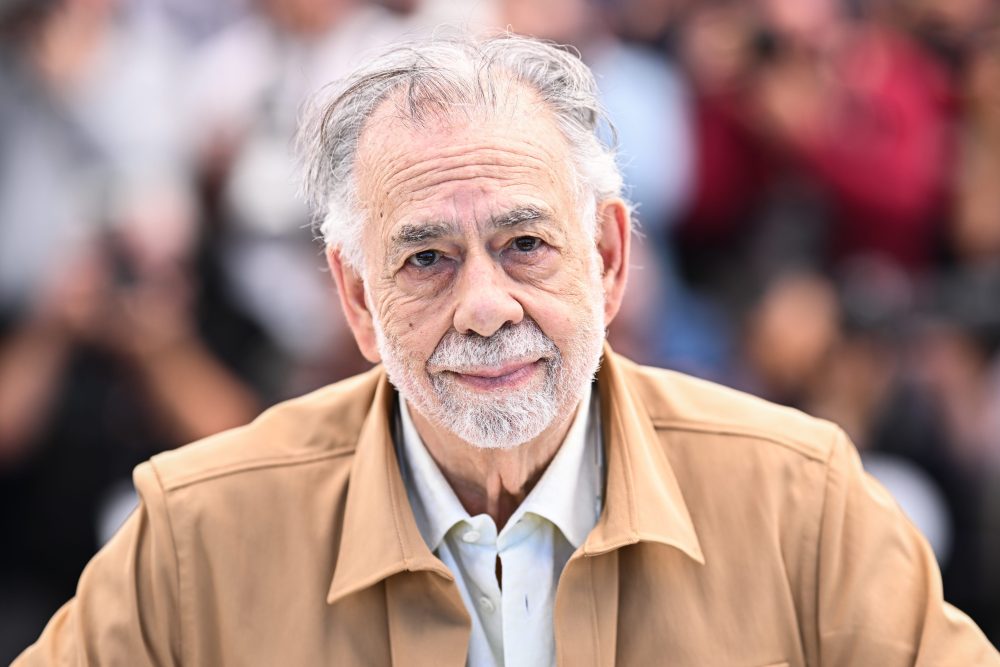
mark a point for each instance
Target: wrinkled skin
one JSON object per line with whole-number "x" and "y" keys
{"x": 446, "y": 248}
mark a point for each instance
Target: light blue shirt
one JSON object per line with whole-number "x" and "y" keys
{"x": 511, "y": 625}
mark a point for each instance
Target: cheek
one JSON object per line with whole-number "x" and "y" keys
{"x": 414, "y": 327}
{"x": 562, "y": 315}
{"x": 569, "y": 278}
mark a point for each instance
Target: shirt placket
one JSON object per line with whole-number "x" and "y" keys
{"x": 475, "y": 540}
{"x": 528, "y": 592}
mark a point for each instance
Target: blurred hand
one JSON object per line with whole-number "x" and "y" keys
{"x": 153, "y": 316}
{"x": 71, "y": 309}
{"x": 75, "y": 302}
{"x": 791, "y": 332}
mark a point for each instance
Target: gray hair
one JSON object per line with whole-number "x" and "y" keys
{"x": 439, "y": 77}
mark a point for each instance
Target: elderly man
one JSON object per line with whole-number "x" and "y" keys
{"x": 480, "y": 498}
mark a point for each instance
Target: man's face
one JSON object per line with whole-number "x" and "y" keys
{"x": 484, "y": 286}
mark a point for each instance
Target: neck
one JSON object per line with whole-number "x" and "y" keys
{"x": 492, "y": 481}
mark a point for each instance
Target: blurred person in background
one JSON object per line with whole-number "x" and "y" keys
{"x": 100, "y": 372}
{"x": 958, "y": 360}
{"x": 956, "y": 364}
{"x": 975, "y": 230}
{"x": 117, "y": 340}
{"x": 822, "y": 135}
{"x": 114, "y": 70}
{"x": 653, "y": 23}
{"x": 864, "y": 109}
{"x": 46, "y": 164}
{"x": 947, "y": 28}
{"x": 247, "y": 86}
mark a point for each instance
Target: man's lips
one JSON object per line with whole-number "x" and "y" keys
{"x": 506, "y": 376}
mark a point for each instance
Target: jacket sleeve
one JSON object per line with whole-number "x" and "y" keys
{"x": 879, "y": 589}
{"x": 125, "y": 609}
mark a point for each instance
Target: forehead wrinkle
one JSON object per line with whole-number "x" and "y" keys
{"x": 394, "y": 116}
{"x": 510, "y": 144}
{"x": 487, "y": 183}
{"x": 516, "y": 152}
{"x": 494, "y": 163}
{"x": 419, "y": 182}
{"x": 425, "y": 186}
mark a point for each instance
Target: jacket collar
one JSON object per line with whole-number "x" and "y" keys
{"x": 380, "y": 536}
{"x": 643, "y": 501}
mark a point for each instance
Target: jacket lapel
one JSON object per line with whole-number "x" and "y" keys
{"x": 586, "y": 611}
{"x": 643, "y": 503}
{"x": 380, "y": 542}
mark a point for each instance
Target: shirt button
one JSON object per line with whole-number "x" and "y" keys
{"x": 487, "y": 604}
{"x": 471, "y": 536}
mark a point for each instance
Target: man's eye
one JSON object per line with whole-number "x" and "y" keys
{"x": 526, "y": 243}
{"x": 424, "y": 258}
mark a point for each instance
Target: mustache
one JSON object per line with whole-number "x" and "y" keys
{"x": 510, "y": 342}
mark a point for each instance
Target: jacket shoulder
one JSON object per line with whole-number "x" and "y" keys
{"x": 679, "y": 402}
{"x": 318, "y": 426}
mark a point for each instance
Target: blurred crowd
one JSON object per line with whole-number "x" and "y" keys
{"x": 817, "y": 185}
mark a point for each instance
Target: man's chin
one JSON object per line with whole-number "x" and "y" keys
{"x": 504, "y": 440}
{"x": 504, "y": 422}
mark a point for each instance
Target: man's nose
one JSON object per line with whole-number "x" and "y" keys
{"x": 484, "y": 300}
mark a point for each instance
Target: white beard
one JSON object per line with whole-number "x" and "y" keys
{"x": 501, "y": 419}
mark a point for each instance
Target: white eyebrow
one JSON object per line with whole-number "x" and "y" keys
{"x": 415, "y": 234}
{"x": 517, "y": 216}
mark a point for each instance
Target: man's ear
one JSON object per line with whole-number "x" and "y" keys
{"x": 351, "y": 288}
{"x": 614, "y": 242}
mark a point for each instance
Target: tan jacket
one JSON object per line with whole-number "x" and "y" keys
{"x": 736, "y": 533}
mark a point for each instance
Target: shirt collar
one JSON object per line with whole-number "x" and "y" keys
{"x": 567, "y": 494}
{"x": 643, "y": 501}
{"x": 380, "y": 536}
{"x": 435, "y": 506}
